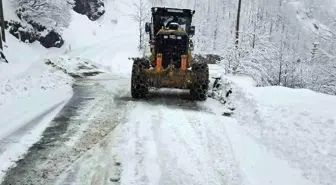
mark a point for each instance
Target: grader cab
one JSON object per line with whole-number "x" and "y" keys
{"x": 170, "y": 64}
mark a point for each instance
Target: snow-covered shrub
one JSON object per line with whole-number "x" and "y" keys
{"x": 255, "y": 70}
{"x": 240, "y": 61}
{"x": 22, "y": 32}
{"x": 221, "y": 90}
{"x": 207, "y": 58}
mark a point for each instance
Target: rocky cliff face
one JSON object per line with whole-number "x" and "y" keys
{"x": 32, "y": 31}
{"x": 91, "y": 8}
{"x": 44, "y": 22}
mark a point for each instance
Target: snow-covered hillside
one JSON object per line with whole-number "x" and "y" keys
{"x": 32, "y": 92}
{"x": 67, "y": 116}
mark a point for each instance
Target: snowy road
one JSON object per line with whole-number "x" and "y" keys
{"x": 103, "y": 136}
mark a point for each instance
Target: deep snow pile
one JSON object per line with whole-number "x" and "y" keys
{"x": 298, "y": 125}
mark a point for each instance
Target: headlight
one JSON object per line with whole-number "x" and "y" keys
{"x": 172, "y": 36}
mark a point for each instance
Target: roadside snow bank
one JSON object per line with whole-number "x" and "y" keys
{"x": 28, "y": 102}
{"x": 260, "y": 165}
{"x": 14, "y": 146}
{"x": 31, "y": 94}
{"x": 75, "y": 67}
{"x": 20, "y": 56}
{"x": 298, "y": 125}
{"x": 28, "y": 86}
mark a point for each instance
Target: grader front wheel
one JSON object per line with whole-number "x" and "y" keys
{"x": 139, "y": 85}
{"x": 200, "y": 87}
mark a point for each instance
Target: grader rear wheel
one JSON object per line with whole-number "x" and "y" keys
{"x": 139, "y": 84}
{"x": 200, "y": 87}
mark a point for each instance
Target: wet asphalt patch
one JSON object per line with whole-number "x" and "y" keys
{"x": 54, "y": 136}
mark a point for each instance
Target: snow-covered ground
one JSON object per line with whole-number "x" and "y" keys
{"x": 170, "y": 140}
{"x": 31, "y": 94}
{"x": 164, "y": 142}
{"x": 297, "y": 125}
{"x": 275, "y": 135}
{"x": 36, "y": 83}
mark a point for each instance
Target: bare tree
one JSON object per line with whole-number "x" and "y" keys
{"x": 140, "y": 17}
{"x": 238, "y": 23}
{"x": 2, "y": 22}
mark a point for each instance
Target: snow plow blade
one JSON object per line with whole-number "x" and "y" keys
{"x": 145, "y": 77}
{"x": 170, "y": 78}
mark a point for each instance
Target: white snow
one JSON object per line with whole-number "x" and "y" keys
{"x": 302, "y": 121}
{"x": 24, "y": 134}
{"x": 296, "y": 125}
{"x": 275, "y": 136}
{"x": 259, "y": 164}
{"x": 31, "y": 94}
{"x": 9, "y": 13}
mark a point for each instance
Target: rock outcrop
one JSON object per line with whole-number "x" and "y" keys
{"x": 93, "y": 9}
{"x": 32, "y": 31}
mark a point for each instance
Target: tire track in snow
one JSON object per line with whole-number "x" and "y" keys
{"x": 144, "y": 153}
{"x": 163, "y": 140}
{"x": 179, "y": 129}
{"x": 214, "y": 140}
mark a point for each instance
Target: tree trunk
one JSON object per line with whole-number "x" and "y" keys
{"x": 237, "y": 24}
{"x": 254, "y": 33}
{"x": 271, "y": 28}
{"x": 215, "y": 33}
{"x": 2, "y": 21}
{"x": 1, "y": 43}
{"x": 280, "y": 74}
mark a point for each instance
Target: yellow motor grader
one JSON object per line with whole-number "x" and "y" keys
{"x": 171, "y": 64}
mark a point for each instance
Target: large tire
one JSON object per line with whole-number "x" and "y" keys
{"x": 139, "y": 83}
{"x": 199, "y": 89}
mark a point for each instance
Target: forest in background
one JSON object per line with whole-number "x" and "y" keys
{"x": 287, "y": 43}
{"x": 281, "y": 42}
